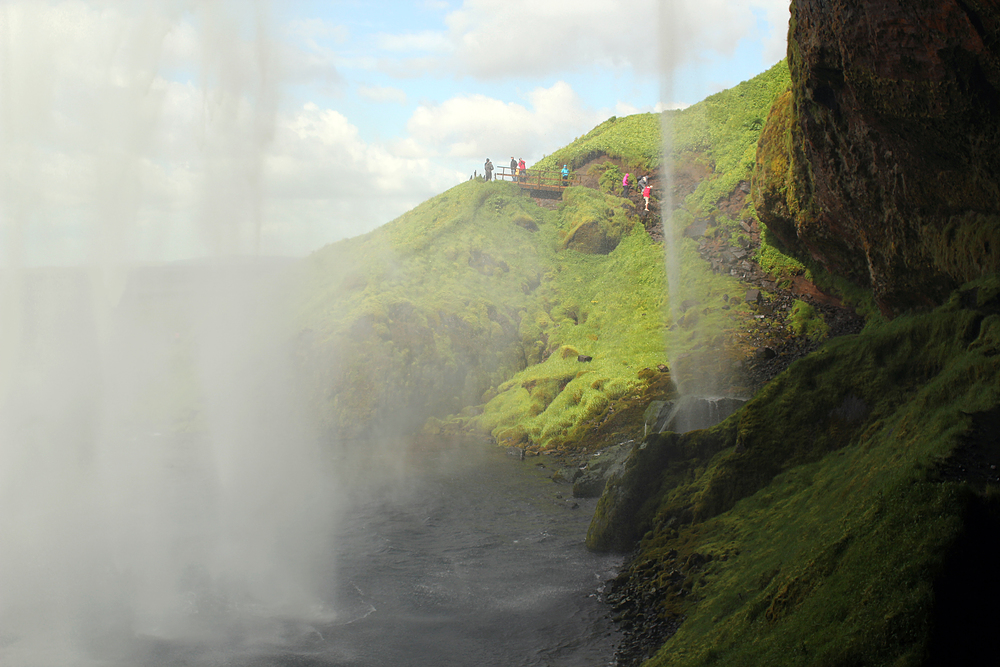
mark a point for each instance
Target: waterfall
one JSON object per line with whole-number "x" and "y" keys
{"x": 696, "y": 382}
{"x": 158, "y": 475}
{"x": 689, "y": 413}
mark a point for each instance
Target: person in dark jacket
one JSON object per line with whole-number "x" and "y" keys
{"x": 513, "y": 169}
{"x": 488, "y": 168}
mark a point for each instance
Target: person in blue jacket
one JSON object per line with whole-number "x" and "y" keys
{"x": 565, "y": 175}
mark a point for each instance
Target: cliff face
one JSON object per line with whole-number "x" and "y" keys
{"x": 883, "y": 163}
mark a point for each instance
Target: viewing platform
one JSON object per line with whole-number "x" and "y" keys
{"x": 535, "y": 180}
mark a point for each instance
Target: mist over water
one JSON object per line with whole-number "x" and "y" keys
{"x": 159, "y": 476}
{"x": 166, "y": 497}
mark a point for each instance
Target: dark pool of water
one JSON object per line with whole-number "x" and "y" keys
{"x": 462, "y": 557}
{"x": 478, "y": 564}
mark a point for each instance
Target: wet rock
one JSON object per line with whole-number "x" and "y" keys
{"x": 690, "y": 413}
{"x": 516, "y": 452}
{"x": 566, "y": 475}
{"x": 584, "y": 357}
{"x": 590, "y": 485}
{"x": 594, "y": 476}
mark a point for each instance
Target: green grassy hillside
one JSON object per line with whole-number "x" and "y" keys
{"x": 419, "y": 317}
{"x": 438, "y": 310}
{"x": 473, "y": 308}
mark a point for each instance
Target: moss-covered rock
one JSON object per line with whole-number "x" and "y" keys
{"x": 884, "y": 164}
{"x": 826, "y": 512}
{"x": 594, "y": 221}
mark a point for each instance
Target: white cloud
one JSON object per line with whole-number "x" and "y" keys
{"x": 317, "y": 28}
{"x": 326, "y": 183}
{"x": 492, "y": 40}
{"x": 105, "y": 138}
{"x": 427, "y": 40}
{"x": 382, "y": 94}
{"x": 776, "y": 43}
{"x": 477, "y": 126}
{"x": 309, "y": 58}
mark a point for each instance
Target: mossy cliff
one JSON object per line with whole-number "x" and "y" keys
{"x": 543, "y": 327}
{"x": 848, "y": 514}
{"x": 419, "y": 317}
{"x": 430, "y": 316}
{"x": 883, "y": 161}
{"x": 822, "y": 523}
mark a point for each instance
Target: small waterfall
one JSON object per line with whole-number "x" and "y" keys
{"x": 689, "y": 413}
{"x": 696, "y": 379}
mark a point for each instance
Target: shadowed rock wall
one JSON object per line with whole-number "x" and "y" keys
{"x": 883, "y": 162}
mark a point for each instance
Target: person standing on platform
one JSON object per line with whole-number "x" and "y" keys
{"x": 513, "y": 169}
{"x": 565, "y": 175}
{"x": 488, "y": 168}
{"x": 522, "y": 170}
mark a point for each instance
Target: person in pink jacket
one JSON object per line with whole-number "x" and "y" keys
{"x": 625, "y": 185}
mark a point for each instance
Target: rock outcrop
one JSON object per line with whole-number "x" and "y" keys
{"x": 883, "y": 161}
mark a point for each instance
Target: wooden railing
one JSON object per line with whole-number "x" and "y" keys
{"x": 534, "y": 179}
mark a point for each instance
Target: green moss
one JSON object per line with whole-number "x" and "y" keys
{"x": 633, "y": 139}
{"x": 806, "y": 322}
{"x": 607, "y": 307}
{"x": 823, "y": 507}
{"x": 422, "y": 316}
{"x": 724, "y": 129}
{"x": 592, "y": 222}
{"x": 774, "y": 260}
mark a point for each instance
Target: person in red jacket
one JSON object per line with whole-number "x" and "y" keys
{"x": 521, "y": 170}
{"x": 645, "y": 195}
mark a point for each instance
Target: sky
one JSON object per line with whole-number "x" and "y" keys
{"x": 165, "y": 130}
